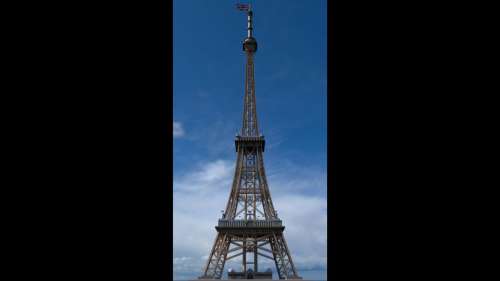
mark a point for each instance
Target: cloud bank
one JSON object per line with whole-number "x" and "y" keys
{"x": 178, "y": 130}
{"x": 201, "y": 193}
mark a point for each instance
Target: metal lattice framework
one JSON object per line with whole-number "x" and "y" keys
{"x": 250, "y": 223}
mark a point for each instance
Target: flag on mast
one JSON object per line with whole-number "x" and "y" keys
{"x": 242, "y": 7}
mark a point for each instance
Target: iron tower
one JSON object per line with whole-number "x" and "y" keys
{"x": 249, "y": 225}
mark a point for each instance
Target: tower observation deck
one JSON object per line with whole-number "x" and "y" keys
{"x": 250, "y": 227}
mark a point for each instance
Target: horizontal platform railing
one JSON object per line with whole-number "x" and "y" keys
{"x": 250, "y": 223}
{"x": 249, "y": 141}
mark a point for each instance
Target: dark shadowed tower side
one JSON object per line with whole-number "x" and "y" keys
{"x": 250, "y": 227}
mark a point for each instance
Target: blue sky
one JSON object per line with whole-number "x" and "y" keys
{"x": 290, "y": 78}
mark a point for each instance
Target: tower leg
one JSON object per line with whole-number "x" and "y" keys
{"x": 217, "y": 258}
{"x": 245, "y": 257}
{"x": 282, "y": 258}
{"x": 255, "y": 268}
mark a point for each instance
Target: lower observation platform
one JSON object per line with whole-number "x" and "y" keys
{"x": 249, "y": 226}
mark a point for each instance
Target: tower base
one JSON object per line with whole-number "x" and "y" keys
{"x": 249, "y": 275}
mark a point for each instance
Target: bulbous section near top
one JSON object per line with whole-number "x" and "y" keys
{"x": 250, "y": 45}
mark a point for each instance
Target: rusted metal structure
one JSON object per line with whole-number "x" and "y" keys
{"x": 250, "y": 225}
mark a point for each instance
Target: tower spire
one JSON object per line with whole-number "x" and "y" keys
{"x": 250, "y": 18}
{"x": 250, "y": 126}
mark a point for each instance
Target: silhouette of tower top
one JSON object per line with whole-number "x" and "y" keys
{"x": 250, "y": 43}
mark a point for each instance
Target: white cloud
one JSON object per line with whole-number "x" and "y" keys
{"x": 201, "y": 194}
{"x": 208, "y": 136}
{"x": 178, "y": 130}
{"x": 198, "y": 198}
